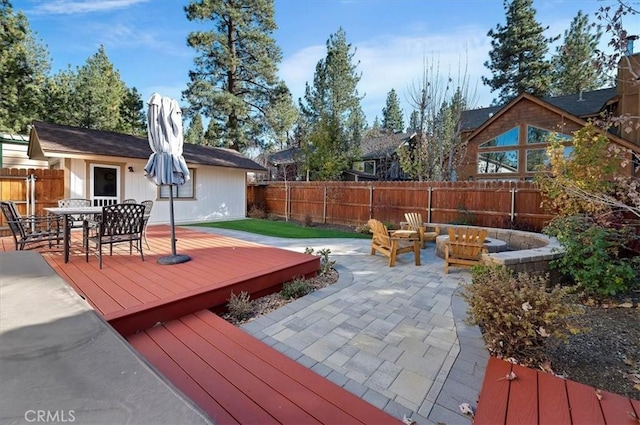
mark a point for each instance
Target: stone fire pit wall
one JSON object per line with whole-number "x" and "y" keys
{"x": 526, "y": 251}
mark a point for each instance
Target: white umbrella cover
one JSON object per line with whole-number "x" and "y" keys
{"x": 166, "y": 165}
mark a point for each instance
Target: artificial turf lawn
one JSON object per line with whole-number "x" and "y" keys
{"x": 283, "y": 229}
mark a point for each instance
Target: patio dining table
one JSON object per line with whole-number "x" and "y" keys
{"x": 66, "y": 213}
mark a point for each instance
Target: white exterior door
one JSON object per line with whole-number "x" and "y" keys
{"x": 105, "y": 184}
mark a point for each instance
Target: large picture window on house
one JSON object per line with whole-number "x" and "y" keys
{"x": 510, "y": 138}
{"x": 187, "y": 190}
{"x": 538, "y": 157}
{"x": 498, "y": 162}
{"x": 540, "y": 135}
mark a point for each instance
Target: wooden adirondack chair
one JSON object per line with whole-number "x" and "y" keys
{"x": 390, "y": 244}
{"x": 464, "y": 247}
{"x": 425, "y": 231}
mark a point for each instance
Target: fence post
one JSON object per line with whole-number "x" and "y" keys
{"x": 324, "y": 205}
{"x": 370, "y": 202}
{"x": 513, "y": 204}
{"x": 429, "y": 205}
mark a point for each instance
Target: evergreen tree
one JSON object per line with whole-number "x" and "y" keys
{"x": 58, "y": 106}
{"x": 414, "y": 122}
{"x": 195, "y": 132}
{"x": 281, "y": 116}
{"x": 575, "y": 69}
{"x": 376, "y": 124}
{"x": 332, "y": 109}
{"x": 24, "y": 64}
{"x": 211, "y": 136}
{"x": 392, "y": 114}
{"x": 98, "y": 94}
{"x": 133, "y": 119}
{"x": 517, "y": 58}
{"x": 235, "y": 70}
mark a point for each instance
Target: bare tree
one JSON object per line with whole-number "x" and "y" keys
{"x": 439, "y": 100}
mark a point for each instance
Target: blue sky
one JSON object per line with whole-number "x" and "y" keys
{"x": 146, "y": 39}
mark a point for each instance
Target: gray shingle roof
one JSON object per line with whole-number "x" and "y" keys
{"x": 62, "y": 139}
{"x": 582, "y": 105}
{"x": 383, "y": 145}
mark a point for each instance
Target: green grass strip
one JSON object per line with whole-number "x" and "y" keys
{"x": 282, "y": 229}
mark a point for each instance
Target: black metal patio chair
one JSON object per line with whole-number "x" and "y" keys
{"x": 118, "y": 223}
{"x": 31, "y": 230}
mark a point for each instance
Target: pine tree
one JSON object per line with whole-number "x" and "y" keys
{"x": 281, "y": 116}
{"x": 414, "y": 121}
{"x": 98, "y": 94}
{"x": 195, "y": 132}
{"x": 133, "y": 119}
{"x": 575, "y": 69}
{"x": 517, "y": 58}
{"x": 24, "y": 64}
{"x": 235, "y": 70}
{"x": 58, "y": 97}
{"x": 332, "y": 110}
{"x": 392, "y": 114}
{"x": 211, "y": 136}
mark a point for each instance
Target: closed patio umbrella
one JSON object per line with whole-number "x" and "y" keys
{"x": 166, "y": 166}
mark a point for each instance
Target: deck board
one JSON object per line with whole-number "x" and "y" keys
{"x": 558, "y": 401}
{"x": 253, "y": 382}
{"x": 133, "y": 295}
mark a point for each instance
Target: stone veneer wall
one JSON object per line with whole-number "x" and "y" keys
{"x": 528, "y": 252}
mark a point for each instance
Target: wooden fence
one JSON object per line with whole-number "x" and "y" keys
{"x": 489, "y": 204}
{"x": 31, "y": 189}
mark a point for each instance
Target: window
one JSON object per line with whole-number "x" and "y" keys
{"x": 538, "y": 157}
{"x": 187, "y": 190}
{"x": 498, "y": 162}
{"x": 540, "y": 135}
{"x": 365, "y": 166}
{"x": 510, "y": 138}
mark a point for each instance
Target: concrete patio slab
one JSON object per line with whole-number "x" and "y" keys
{"x": 60, "y": 362}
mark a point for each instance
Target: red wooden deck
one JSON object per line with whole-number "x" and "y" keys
{"x": 134, "y": 295}
{"x": 237, "y": 379}
{"x": 536, "y": 397}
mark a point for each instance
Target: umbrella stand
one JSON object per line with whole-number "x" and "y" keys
{"x": 173, "y": 258}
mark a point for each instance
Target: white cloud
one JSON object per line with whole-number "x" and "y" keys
{"x": 70, "y": 7}
{"x": 398, "y": 62}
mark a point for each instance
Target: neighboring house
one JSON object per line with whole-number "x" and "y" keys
{"x": 286, "y": 164}
{"x": 379, "y": 159}
{"x": 508, "y": 142}
{"x": 13, "y": 152}
{"x": 108, "y": 167}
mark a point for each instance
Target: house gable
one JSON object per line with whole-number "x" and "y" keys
{"x": 521, "y": 113}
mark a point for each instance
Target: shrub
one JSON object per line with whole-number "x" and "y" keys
{"x": 240, "y": 307}
{"x": 465, "y": 217}
{"x": 256, "y": 212}
{"x": 364, "y": 229}
{"x": 517, "y": 313}
{"x": 592, "y": 255}
{"x": 308, "y": 220}
{"x": 295, "y": 289}
{"x": 326, "y": 265}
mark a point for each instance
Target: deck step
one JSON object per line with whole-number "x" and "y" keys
{"x": 236, "y": 378}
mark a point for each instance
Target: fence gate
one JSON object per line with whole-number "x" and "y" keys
{"x": 31, "y": 189}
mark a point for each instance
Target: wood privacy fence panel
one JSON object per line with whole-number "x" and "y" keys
{"x": 490, "y": 204}
{"x": 31, "y": 189}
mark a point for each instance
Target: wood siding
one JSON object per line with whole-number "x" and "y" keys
{"x": 522, "y": 114}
